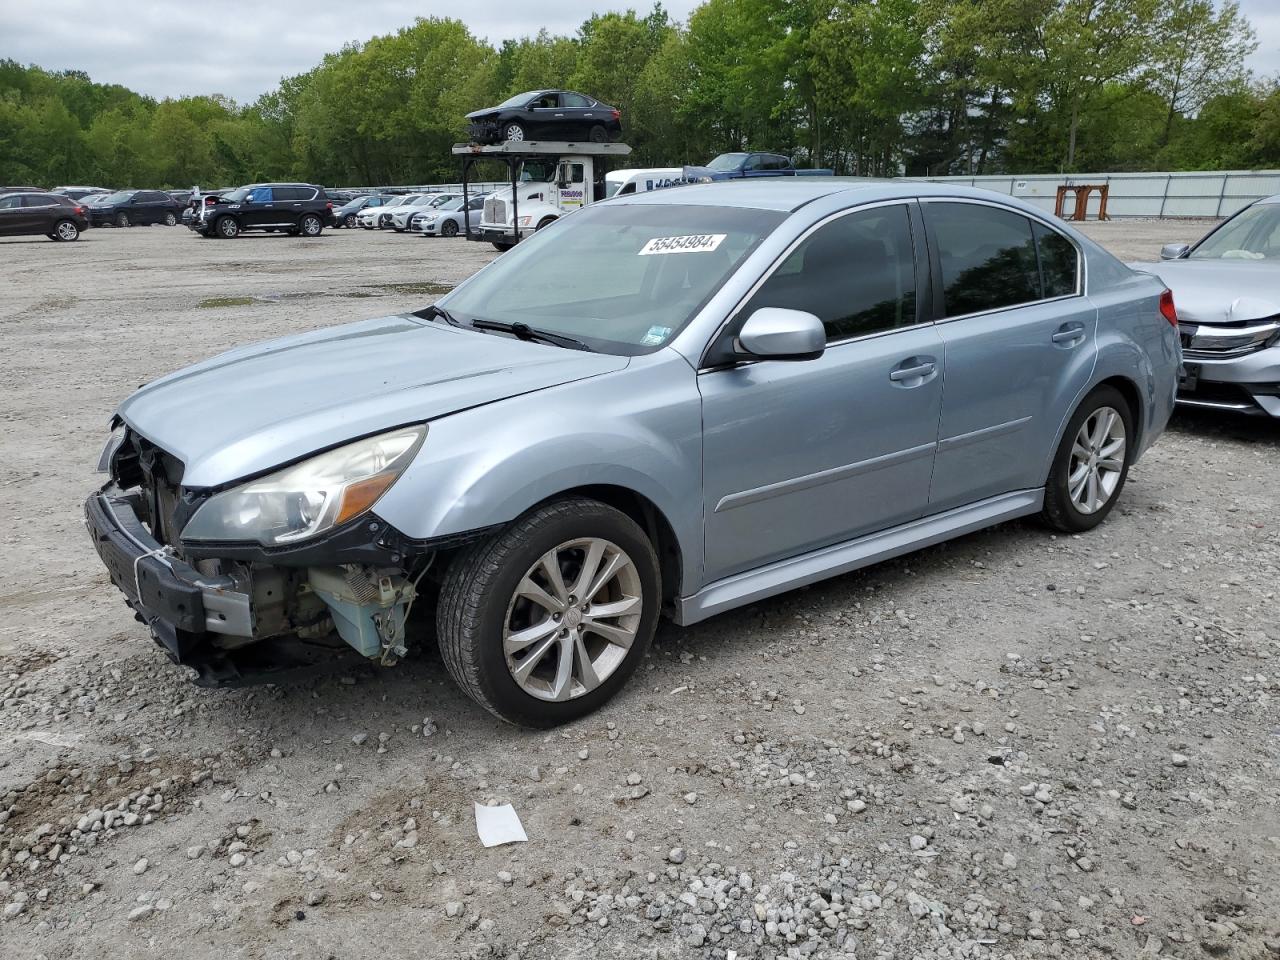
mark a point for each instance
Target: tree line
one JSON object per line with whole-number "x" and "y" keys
{"x": 921, "y": 87}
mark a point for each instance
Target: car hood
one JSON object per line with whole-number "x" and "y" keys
{"x": 261, "y": 406}
{"x": 477, "y": 114}
{"x": 1220, "y": 291}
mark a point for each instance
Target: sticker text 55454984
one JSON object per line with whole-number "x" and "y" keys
{"x": 696, "y": 243}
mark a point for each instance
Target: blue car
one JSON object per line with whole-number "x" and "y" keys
{"x": 670, "y": 404}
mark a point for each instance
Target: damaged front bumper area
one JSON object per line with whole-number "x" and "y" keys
{"x": 252, "y": 618}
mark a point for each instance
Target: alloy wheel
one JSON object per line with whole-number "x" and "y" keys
{"x": 515, "y": 133}
{"x": 67, "y": 230}
{"x": 1097, "y": 460}
{"x": 574, "y": 615}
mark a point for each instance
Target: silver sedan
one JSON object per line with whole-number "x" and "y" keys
{"x": 1227, "y": 287}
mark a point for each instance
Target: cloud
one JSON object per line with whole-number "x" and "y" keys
{"x": 242, "y": 49}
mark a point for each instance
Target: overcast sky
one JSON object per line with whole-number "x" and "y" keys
{"x": 146, "y": 44}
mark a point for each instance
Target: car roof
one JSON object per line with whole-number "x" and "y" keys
{"x": 789, "y": 194}
{"x": 1275, "y": 199}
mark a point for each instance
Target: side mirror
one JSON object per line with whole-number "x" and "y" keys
{"x": 775, "y": 333}
{"x": 1174, "y": 251}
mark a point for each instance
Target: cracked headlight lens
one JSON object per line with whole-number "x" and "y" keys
{"x": 310, "y": 497}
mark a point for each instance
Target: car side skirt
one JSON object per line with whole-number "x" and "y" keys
{"x": 784, "y": 575}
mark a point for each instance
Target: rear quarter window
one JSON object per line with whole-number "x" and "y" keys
{"x": 1059, "y": 263}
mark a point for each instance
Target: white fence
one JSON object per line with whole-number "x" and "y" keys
{"x": 1217, "y": 194}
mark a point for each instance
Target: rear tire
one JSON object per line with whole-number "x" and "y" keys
{"x": 227, "y": 228}
{"x": 170, "y": 220}
{"x": 311, "y": 225}
{"x": 599, "y": 134}
{"x": 502, "y": 588}
{"x": 1091, "y": 464}
{"x": 65, "y": 231}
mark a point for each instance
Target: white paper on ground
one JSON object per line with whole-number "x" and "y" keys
{"x": 499, "y": 825}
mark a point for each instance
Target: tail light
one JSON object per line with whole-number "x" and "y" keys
{"x": 210, "y": 201}
{"x": 329, "y": 205}
{"x": 1167, "y": 309}
{"x": 617, "y": 114}
{"x": 79, "y": 211}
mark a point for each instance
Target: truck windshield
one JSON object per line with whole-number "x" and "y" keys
{"x": 727, "y": 161}
{"x": 623, "y": 279}
{"x": 543, "y": 171}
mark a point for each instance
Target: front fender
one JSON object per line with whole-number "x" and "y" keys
{"x": 638, "y": 428}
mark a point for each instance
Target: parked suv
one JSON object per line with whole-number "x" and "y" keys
{"x": 41, "y": 214}
{"x": 134, "y": 208}
{"x": 296, "y": 208}
{"x": 742, "y": 395}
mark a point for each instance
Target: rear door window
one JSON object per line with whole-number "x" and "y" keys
{"x": 857, "y": 274}
{"x": 575, "y": 100}
{"x": 987, "y": 257}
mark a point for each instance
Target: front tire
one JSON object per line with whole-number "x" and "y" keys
{"x": 227, "y": 228}
{"x": 545, "y": 621}
{"x": 1091, "y": 464}
{"x": 122, "y": 220}
{"x": 65, "y": 231}
{"x": 350, "y": 221}
{"x": 513, "y": 133}
{"x": 448, "y": 229}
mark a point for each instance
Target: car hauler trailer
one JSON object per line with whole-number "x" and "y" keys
{"x": 548, "y": 180}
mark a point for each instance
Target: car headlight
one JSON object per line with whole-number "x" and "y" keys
{"x": 310, "y": 497}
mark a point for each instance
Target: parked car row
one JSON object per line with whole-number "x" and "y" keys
{"x": 426, "y": 214}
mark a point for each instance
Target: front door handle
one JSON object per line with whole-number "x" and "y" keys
{"x": 1069, "y": 334}
{"x": 913, "y": 368}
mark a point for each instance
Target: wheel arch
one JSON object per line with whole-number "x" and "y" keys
{"x": 1128, "y": 389}
{"x": 650, "y": 518}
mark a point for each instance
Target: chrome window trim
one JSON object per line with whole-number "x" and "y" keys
{"x": 781, "y": 258}
{"x": 1081, "y": 262}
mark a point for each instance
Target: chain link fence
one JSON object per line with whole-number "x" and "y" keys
{"x": 1217, "y": 194}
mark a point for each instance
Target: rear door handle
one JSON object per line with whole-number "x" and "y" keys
{"x": 914, "y": 368}
{"x": 1069, "y": 333}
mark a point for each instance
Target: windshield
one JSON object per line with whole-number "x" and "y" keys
{"x": 237, "y": 195}
{"x": 623, "y": 279}
{"x": 544, "y": 171}
{"x": 120, "y": 196}
{"x": 1252, "y": 234}
{"x": 611, "y": 187}
{"x": 519, "y": 100}
{"x": 454, "y": 204}
{"x": 727, "y": 161}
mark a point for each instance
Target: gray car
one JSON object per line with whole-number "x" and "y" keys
{"x": 674, "y": 403}
{"x": 1227, "y": 287}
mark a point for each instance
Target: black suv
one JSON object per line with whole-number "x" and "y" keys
{"x": 134, "y": 208}
{"x": 296, "y": 208}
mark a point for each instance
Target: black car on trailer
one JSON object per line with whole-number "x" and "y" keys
{"x": 547, "y": 115}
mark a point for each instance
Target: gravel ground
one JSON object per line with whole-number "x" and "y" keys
{"x": 1013, "y": 745}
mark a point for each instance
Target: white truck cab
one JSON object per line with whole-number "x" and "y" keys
{"x": 548, "y": 180}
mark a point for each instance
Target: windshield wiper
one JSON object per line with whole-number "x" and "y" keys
{"x": 435, "y": 310}
{"x": 525, "y": 332}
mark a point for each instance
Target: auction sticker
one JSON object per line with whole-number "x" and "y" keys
{"x": 696, "y": 243}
